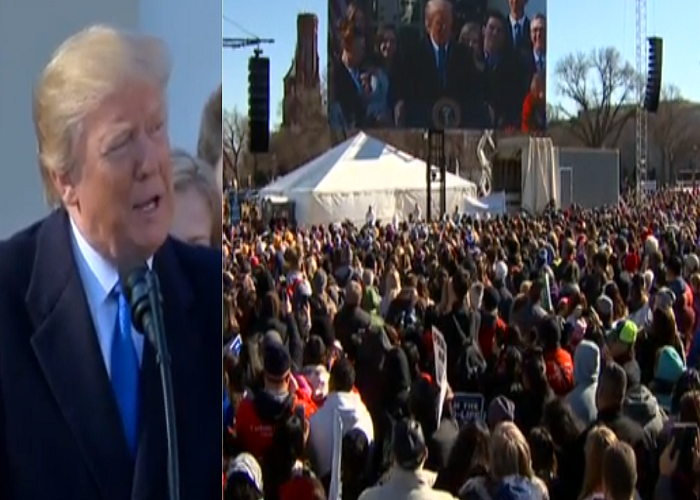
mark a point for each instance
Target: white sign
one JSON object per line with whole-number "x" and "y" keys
{"x": 440, "y": 351}
{"x": 334, "y": 489}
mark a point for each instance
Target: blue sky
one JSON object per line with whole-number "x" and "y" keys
{"x": 573, "y": 26}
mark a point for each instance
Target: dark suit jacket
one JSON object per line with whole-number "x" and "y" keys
{"x": 507, "y": 84}
{"x": 347, "y": 95}
{"x": 530, "y": 65}
{"x": 61, "y": 436}
{"x": 525, "y": 44}
{"x": 418, "y": 83}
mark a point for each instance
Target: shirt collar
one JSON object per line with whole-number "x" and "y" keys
{"x": 436, "y": 47}
{"x": 520, "y": 22}
{"x": 105, "y": 272}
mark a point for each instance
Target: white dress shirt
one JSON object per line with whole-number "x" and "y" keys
{"x": 99, "y": 277}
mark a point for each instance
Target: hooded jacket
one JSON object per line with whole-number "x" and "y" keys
{"x": 640, "y": 404}
{"x": 586, "y": 372}
{"x": 669, "y": 368}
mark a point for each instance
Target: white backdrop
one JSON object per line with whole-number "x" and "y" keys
{"x": 30, "y": 30}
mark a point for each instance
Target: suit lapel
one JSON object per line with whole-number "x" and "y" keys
{"x": 150, "y": 476}
{"x": 66, "y": 347}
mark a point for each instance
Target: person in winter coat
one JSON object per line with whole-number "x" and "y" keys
{"x": 640, "y": 404}
{"x": 669, "y": 368}
{"x": 510, "y": 470}
{"x": 586, "y": 371}
{"x": 348, "y": 406}
{"x": 407, "y": 479}
{"x": 558, "y": 362}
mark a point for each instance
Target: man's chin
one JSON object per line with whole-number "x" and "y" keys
{"x": 145, "y": 244}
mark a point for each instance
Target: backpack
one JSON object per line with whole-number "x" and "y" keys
{"x": 471, "y": 364}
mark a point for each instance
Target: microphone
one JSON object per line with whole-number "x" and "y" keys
{"x": 142, "y": 290}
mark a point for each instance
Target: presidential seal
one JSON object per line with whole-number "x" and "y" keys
{"x": 446, "y": 114}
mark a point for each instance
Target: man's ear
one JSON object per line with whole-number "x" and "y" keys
{"x": 65, "y": 187}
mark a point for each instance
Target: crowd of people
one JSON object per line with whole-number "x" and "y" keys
{"x": 578, "y": 328}
{"x": 485, "y": 72}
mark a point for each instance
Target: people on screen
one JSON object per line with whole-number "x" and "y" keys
{"x": 461, "y": 71}
{"x": 535, "y": 108}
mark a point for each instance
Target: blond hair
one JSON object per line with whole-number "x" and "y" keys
{"x": 87, "y": 68}
{"x": 210, "y": 143}
{"x": 191, "y": 172}
{"x": 509, "y": 453}
{"x": 599, "y": 439}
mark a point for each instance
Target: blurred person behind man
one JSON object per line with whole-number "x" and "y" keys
{"x": 210, "y": 143}
{"x": 71, "y": 349}
{"x": 197, "y": 217}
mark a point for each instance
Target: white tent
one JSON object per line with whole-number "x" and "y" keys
{"x": 362, "y": 171}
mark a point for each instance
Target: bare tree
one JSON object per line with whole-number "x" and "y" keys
{"x": 601, "y": 91}
{"x": 235, "y": 138}
{"x": 673, "y": 130}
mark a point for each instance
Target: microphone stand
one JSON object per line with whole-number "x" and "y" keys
{"x": 163, "y": 359}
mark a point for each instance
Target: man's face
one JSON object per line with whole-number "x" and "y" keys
{"x": 439, "y": 25}
{"x": 538, "y": 34}
{"x": 493, "y": 36}
{"x": 517, "y": 6}
{"x": 121, "y": 195}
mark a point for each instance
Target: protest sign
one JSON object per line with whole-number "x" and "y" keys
{"x": 468, "y": 406}
{"x": 440, "y": 351}
{"x": 334, "y": 489}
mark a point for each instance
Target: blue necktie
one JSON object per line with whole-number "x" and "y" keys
{"x": 125, "y": 372}
{"x": 442, "y": 65}
{"x": 540, "y": 64}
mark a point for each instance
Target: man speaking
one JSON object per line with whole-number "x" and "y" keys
{"x": 81, "y": 404}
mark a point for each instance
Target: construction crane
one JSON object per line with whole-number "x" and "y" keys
{"x": 239, "y": 43}
{"x": 641, "y": 118}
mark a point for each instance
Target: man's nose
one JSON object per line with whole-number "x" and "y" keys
{"x": 147, "y": 157}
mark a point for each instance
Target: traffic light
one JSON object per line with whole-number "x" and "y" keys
{"x": 653, "y": 89}
{"x": 259, "y": 104}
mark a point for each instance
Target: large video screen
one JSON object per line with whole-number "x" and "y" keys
{"x": 444, "y": 64}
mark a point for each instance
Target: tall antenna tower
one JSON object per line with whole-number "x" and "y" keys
{"x": 641, "y": 121}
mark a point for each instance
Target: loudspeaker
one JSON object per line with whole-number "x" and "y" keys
{"x": 652, "y": 93}
{"x": 259, "y": 104}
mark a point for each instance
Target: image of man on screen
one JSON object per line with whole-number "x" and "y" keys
{"x": 438, "y": 69}
{"x": 506, "y": 81}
